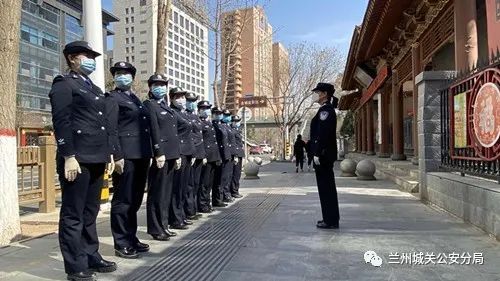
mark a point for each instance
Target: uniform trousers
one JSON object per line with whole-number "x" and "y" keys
{"x": 191, "y": 206}
{"x": 220, "y": 179}
{"x": 227, "y": 174}
{"x": 77, "y": 222}
{"x": 206, "y": 184}
{"x": 235, "y": 179}
{"x": 327, "y": 190}
{"x": 159, "y": 198}
{"x": 181, "y": 185}
{"x": 128, "y": 192}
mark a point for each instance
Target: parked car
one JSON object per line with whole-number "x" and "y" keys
{"x": 256, "y": 150}
{"x": 266, "y": 148}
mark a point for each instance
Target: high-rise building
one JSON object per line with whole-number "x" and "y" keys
{"x": 46, "y": 26}
{"x": 186, "y": 50}
{"x": 247, "y": 57}
{"x": 281, "y": 71}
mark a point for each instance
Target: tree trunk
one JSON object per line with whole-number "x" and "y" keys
{"x": 162, "y": 31}
{"x": 10, "y": 18}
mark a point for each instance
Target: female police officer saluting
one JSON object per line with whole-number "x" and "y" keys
{"x": 166, "y": 148}
{"x": 131, "y": 143}
{"x": 83, "y": 150}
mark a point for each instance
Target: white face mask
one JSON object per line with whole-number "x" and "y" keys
{"x": 315, "y": 97}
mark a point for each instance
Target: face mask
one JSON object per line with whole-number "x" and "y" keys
{"x": 123, "y": 81}
{"x": 237, "y": 124}
{"x": 87, "y": 65}
{"x": 217, "y": 117}
{"x": 180, "y": 103}
{"x": 226, "y": 119}
{"x": 159, "y": 91}
{"x": 315, "y": 97}
{"x": 191, "y": 106}
{"x": 204, "y": 113}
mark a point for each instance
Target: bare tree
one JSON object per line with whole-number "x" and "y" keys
{"x": 164, "y": 8}
{"x": 10, "y": 18}
{"x": 308, "y": 64}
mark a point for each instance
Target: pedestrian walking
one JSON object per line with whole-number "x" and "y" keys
{"x": 166, "y": 161}
{"x": 220, "y": 176}
{"x": 182, "y": 177}
{"x": 78, "y": 108}
{"x": 324, "y": 151}
{"x": 212, "y": 156}
{"x": 131, "y": 146}
{"x": 298, "y": 152}
{"x": 239, "y": 154}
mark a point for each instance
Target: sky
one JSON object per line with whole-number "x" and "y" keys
{"x": 324, "y": 22}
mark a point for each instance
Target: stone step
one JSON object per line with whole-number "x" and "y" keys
{"x": 405, "y": 182}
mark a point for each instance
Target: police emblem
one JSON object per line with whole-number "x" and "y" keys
{"x": 122, "y": 64}
{"x": 323, "y": 115}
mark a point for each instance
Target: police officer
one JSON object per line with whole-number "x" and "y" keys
{"x": 199, "y": 154}
{"x": 228, "y": 169}
{"x": 324, "y": 151}
{"x": 131, "y": 143}
{"x": 239, "y": 148}
{"x": 182, "y": 178}
{"x": 220, "y": 176}
{"x": 166, "y": 149}
{"x": 78, "y": 108}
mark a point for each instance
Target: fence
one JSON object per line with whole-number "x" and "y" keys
{"x": 470, "y": 124}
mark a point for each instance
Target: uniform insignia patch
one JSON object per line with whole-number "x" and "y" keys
{"x": 156, "y": 146}
{"x": 163, "y": 112}
{"x": 122, "y": 64}
{"x": 83, "y": 91}
{"x": 323, "y": 115}
{"x": 60, "y": 141}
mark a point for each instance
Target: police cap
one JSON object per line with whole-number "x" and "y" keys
{"x": 157, "y": 78}
{"x": 76, "y": 47}
{"x": 325, "y": 87}
{"x": 204, "y": 104}
{"x": 190, "y": 96}
{"x": 216, "y": 110}
{"x": 176, "y": 91}
{"x": 236, "y": 118}
{"x": 123, "y": 65}
{"x": 226, "y": 112}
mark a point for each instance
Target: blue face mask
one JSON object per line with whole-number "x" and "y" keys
{"x": 237, "y": 124}
{"x": 217, "y": 117}
{"x": 123, "y": 81}
{"x": 191, "y": 106}
{"x": 204, "y": 113}
{"x": 87, "y": 66}
{"x": 159, "y": 91}
{"x": 226, "y": 119}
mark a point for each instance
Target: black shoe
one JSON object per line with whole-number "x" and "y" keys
{"x": 194, "y": 217}
{"x": 206, "y": 210}
{"x": 82, "y": 276}
{"x": 188, "y": 222}
{"x": 161, "y": 237}
{"x": 296, "y": 170}
{"x": 321, "y": 221}
{"x": 220, "y": 205}
{"x": 179, "y": 226}
{"x": 324, "y": 225}
{"x": 237, "y": 195}
{"x": 127, "y": 253}
{"x": 170, "y": 233}
{"x": 228, "y": 200}
{"x": 103, "y": 266}
{"x": 141, "y": 247}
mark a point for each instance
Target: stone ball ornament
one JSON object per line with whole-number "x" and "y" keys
{"x": 366, "y": 170}
{"x": 348, "y": 168}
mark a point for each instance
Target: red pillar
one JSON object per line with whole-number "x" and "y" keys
{"x": 466, "y": 50}
{"x": 384, "y": 130}
{"x": 363, "y": 129}
{"x": 416, "y": 68}
{"x": 358, "y": 133}
{"x": 369, "y": 129}
{"x": 397, "y": 124}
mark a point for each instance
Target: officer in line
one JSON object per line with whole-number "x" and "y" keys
{"x": 212, "y": 157}
{"x": 78, "y": 108}
{"x": 199, "y": 154}
{"x": 324, "y": 150}
{"x": 228, "y": 169}
{"x": 220, "y": 176}
{"x": 131, "y": 143}
{"x": 182, "y": 182}
{"x": 239, "y": 148}
{"x": 166, "y": 150}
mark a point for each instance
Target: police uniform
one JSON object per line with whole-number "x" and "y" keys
{"x": 324, "y": 146}
{"x": 199, "y": 155}
{"x": 165, "y": 141}
{"x": 221, "y": 171}
{"x": 182, "y": 177}
{"x": 239, "y": 149}
{"x": 129, "y": 131}
{"x": 79, "y": 119}
{"x": 213, "y": 159}
{"x": 228, "y": 171}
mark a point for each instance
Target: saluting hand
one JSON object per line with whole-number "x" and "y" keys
{"x": 120, "y": 166}
{"x": 160, "y": 161}
{"x": 71, "y": 168}
{"x": 178, "y": 163}
{"x": 316, "y": 160}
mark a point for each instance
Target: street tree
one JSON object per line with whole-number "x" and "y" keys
{"x": 10, "y": 18}
{"x": 164, "y": 8}
{"x": 307, "y": 65}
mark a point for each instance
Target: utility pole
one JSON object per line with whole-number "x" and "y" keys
{"x": 92, "y": 23}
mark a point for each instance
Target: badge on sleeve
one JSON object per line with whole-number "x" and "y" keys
{"x": 323, "y": 115}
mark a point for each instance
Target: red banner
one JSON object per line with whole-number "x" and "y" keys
{"x": 375, "y": 85}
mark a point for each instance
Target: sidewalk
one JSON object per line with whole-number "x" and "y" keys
{"x": 270, "y": 234}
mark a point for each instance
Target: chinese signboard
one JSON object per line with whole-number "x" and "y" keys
{"x": 486, "y": 117}
{"x": 253, "y": 102}
{"x": 460, "y": 120}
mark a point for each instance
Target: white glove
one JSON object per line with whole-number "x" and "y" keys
{"x": 160, "y": 161}
{"x": 192, "y": 161}
{"x": 204, "y": 161}
{"x": 178, "y": 163}
{"x": 218, "y": 163}
{"x": 293, "y": 159}
{"x": 110, "y": 167}
{"x": 120, "y": 166}
{"x": 236, "y": 160}
{"x": 71, "y": 168}
{"x": 316, "y": 160}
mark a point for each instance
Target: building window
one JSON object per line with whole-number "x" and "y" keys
{"x": 143, "y": 3}
{"x": 127, "y": 40}
{"x": 143, "y": 32}
{"x": 133, "y": 41}
{"x": 182, "y": 59}
{"x": 126, "y": 30}
{"x": 182, "y": 67}
{"x": 192, "y": 27}
{"x": 176, "y": 74}
{"x": 132, "y": 19}
{"x": 144, "y": 61}
{"x": 143, "y": 21}
{"x": 176, "y": 56}
{"x": 177, "y": 65}
{"x": 176, "y": 47}
{"x": 176, "y": 28}
{"x": 133, "y": 49}
{"x": 132, "y": 29}
{"x": 144, "y": 52}
{"x": 170, "y": 44}
{"x": 183, "y": 84}
{"x": 127, "y": 59}
{"x": 133, "y": 58}
{"x": 144, "y": 71}
{"x": 170, "y": 54}
{"x": 171, "y": 72}
{"x": 126, "y": 11}
{"x": 143, "y": 42}
{"x": 176, "y": 17}
{"x": 181, "y": 19}
{"x": 170, "y": 62}
{"x": 126, "y": 20}
{"x": 126, "y": 50}
{"x": 132, "y": 11}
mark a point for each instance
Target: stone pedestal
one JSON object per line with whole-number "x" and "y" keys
{"x": 429, "y": 84}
